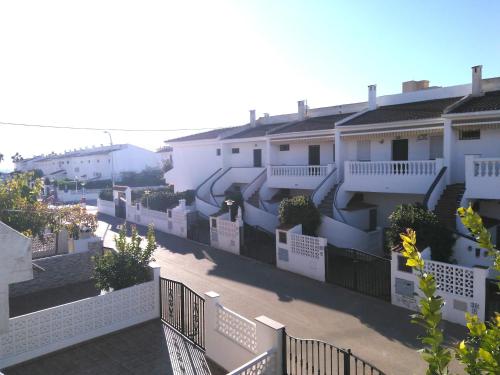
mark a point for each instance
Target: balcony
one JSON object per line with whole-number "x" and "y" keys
{"x": 410, "y": 177}
{"x": 482, "y": 177}
{"x": 297, "y": 176}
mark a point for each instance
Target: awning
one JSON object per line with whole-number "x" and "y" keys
{"x": 492, "y": 122}
{"x": 423, "y": 130}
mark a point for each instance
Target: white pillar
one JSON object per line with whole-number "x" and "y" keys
{"x": 480, "y": 275}
{"x": 211, "y": 345}
{"x": 270, "y": 335}
{"x": 339, "y": 154}
{"x": 448, "y": 141}
{"x": 156, "y": 277}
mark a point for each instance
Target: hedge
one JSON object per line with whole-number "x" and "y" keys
{"x": 300, "y": 210}
{"x": 161, "y": 200}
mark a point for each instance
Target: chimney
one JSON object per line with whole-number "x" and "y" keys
{"x": 372, "y": 97}
{"x": 477, "y": 73}
{"x": 302, "y": 109}
{"x": 253, "y": 122}
{"x": 410, "y": 86}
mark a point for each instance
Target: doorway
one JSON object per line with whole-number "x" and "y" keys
{"x": 314, "y": 155}
{"x": 399, "y": 149}
{"x": 257, "y": 157}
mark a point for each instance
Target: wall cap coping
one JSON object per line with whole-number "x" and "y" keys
{"x": 212, "y": 294}
{"x": 269, "y": 322}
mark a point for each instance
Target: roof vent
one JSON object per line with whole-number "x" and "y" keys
{"x": 410, "y": 86}
{"x": 477, "y": 80}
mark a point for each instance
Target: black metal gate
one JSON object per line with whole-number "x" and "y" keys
{"x": 359, "y": 271}
{"x": 492, "y": 298}
{"x": 199, "y": 230}
{"x": 315, "y": 357}
{"x": 183, "y": 310}
{"x": 259, "y": 245}
{"x": 121, "y": 208}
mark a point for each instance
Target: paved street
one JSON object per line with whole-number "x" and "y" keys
{"x": 375, "y": 330}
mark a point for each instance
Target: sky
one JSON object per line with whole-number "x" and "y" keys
{"x": 170, "y": 65}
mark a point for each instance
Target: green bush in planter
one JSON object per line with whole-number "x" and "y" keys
{"x": 161, "y": 200}
{"x": 106, "y": 195}
{"x": 300, "y": 210}
{"x": 128, "y": 265}
{"x": 431, "y": 232}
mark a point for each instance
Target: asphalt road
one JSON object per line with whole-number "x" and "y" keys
{"x": 373, "y": 329}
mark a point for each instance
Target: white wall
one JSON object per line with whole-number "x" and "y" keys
{"x": 387, "y": 203}
{"x": 301, "y": 254}
{"x": 299, "y": 152}
{"x": 486, "y": 147}
{"x": 245, "y": 157}
{"x": 106, "y": 207}
{"x": 192, "y": 165}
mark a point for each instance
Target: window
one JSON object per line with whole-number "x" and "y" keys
{"x": 282, "y": 237}
{"x": 77, "y": 169}
{"x": 235, "y": 150}
{"x": 67, "y": 161}
{"x": 467, "y": 135}
{"x": 89, "y": 161}
{"x": 217, "y": 152}
{"x": 98, "y": 160}
{"x": 402, "y": 265}
{"x": 363, "y": 149}
{"x": 214, "y": 223}
{"x": 284, "y": 147}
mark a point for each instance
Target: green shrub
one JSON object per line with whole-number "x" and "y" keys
{"x": 300, "y": 210}
{"x": 148, "y": 177}
{"x": 128, "y": 265}
{"x": 161, "y": 200}
{"x": 106, "y": 195}
{"x": 431, "y": 232}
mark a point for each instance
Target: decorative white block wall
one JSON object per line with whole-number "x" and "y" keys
{"x": 42, "y": 332}
{"x": 463, "y": 288}
{"x": 301, "y": 254}
{"x": 226, "y": 234}
{"x": 235, "y": 342}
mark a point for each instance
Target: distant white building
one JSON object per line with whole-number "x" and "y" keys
{"x": 95, "y": 163}
{"x": 166, "y": 157}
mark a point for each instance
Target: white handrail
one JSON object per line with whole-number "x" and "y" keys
{"x": 411, "y": 167}
{"x": 486, "y": 167}
{"x": 299, "y": 170}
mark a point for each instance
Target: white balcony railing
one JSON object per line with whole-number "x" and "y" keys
{"x": 299, "y": 170}
{"x": 482, "y": 176}
{"x": 390, "y": 168}
{"x": 412, "y": 176}
{"x": 297, "y": 176}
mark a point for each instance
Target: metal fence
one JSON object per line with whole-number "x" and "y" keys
{"x": 315, "y": 357}
{"x": 183, "y": 309}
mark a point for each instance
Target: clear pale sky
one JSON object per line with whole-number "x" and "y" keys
{"x": 197, "y": 64}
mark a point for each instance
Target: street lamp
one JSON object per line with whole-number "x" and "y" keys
{"x": 112, "y": 161}
{"x": 146, "y": 193}
{"x": 76, "y": 184}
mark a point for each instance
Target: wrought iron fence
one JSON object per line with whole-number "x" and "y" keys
{"x": 315, "y": 357}
{"x": 183, "y": 310}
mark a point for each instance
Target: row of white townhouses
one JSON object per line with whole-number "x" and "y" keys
{"x": 93, "y": 163}
{"x": 439, "y": 146}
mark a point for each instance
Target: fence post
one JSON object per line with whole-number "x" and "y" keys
{"x": 156, "y": 277}
{"x": 211, "y": 345}
{"x": 270, "y": 335}
{"x": 183, "y": 330}
{"x": 347, "y": 362}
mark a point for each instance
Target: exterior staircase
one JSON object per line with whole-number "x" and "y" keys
{"x": 326, "y": 205}
{"x": 254, "y": 199}
{"x": 448, "y": 203}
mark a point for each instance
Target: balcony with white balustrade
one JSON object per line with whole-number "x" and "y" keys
{"x": 482, "y": 177}
{"x": 297, "y": 176}
{"x": 409, "y": 176}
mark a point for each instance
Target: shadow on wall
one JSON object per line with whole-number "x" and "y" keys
{"x": 390, "y": 321}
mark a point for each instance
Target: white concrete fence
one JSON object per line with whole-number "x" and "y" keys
{"x": 226, "y": 234}
{"x": 299, "y": 253}
{"x": 463, "y": 288}
{"x": 482, "y": 177}
{"x": 45, "y": 331}
{"x": 106, "y": 207}
{"x": 235, "y": 342}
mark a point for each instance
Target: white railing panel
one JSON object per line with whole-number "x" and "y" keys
{"x": 264, "y": 364}
{"x": 299, "y": 170}
{"x": 482, "y": 177}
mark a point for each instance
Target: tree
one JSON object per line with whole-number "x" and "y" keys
{"x": 430, "y": 231}
{"x": 480, "y": 350}
{"x": 16, "y": 157}
{"x": 128, "y": 265}
{"x": 1, "y": 157}
{"x": 300, "y": 210}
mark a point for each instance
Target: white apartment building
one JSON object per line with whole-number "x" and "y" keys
{"x": 93, "y": 163}
{"x": 434, "y": 145}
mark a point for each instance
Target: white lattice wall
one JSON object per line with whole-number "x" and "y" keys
{"x": 237, "y": 328}
{"x": 463, "y": 288}
{"x": 264, "y": 364}
{"x": 225, "y": 234}
{"x": 42, "y": 332}
{"x": 301, "y": 254}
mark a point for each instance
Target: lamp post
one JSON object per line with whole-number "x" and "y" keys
{"x": 112, "y": 161}
{"x": 229, "y": 204}
{"x": 83, "y": 191}
{"x": 146, "y": 193}
{"x": 76, "y": 184}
